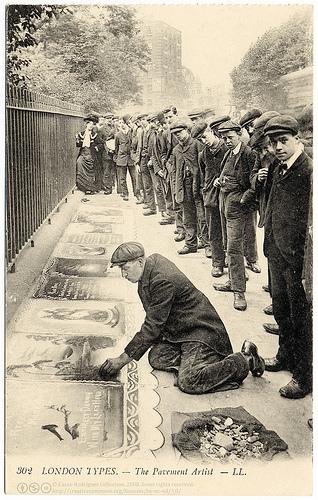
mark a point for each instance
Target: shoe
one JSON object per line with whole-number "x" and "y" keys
{"x": 217, "y": 272}
{"x": 125, "y": 198}
{"x": 265, "y": 288}
{"x": 140, "y": 201}
{"x": 240, "y": 303}
{"x": 274, "y": 365}
{"x": 208, "y": 253}
{"x": 201, "y": 245}
{"x": 272, "y": 328}
{"x": 145, "y": 206}
{"x": 294, "y": 390}
{"x": 165, "y": 221}
{"x": 253, "y": 266}
{"x": 185, "y": 250}
{"x": 269, "y": 310}
{"x": 165, "y": 215}
{"x": 223, "y": 287}
{"x": 89, "y": 192}
{"x": 179, "y": 237}
{"x": 107, "y": 192}
{"x": 176, "y": 231}
{"x": 256, "y": 362}
{"x": 148, "y": 211}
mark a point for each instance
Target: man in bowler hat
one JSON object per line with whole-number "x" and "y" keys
{"x": 182, "y": 329}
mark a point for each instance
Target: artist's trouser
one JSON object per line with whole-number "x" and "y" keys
{"x": 122, "y": 172}
{"x": 213, "y": 219}
{"x": 292, "y": 314}
{"x": 200, "y": 369}
{"x": 193, "y": 216}
{"x": 149, "y": 193}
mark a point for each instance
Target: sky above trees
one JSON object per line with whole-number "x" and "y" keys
{"x": 216, "y": 37}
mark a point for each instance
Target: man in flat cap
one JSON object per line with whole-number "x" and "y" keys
{"x": 234, "y": 182}
{"x": 185, "y": 158}
{"x": 285, "y": 231}
{"x": 124, "y": 160}
{"x": 210, "y": 161}
{"x": 107, "y": 134}
{"x": 195, "y": 115}
{"x": 182, "y": 329}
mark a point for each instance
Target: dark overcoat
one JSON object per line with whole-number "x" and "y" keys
{"x": 123, "y": 149}
{"x": 186, "y": 155}
{"x": 210, "y": 161}
{"x": 175, "y": 310}
{"x": 287, "y": 210}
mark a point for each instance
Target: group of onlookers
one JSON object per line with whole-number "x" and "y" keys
{"x": 210, "y": 176}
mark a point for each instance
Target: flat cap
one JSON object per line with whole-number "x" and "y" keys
{"x": 126, "y": 118}
{"x": 127, "y": 252}
{"x": 141, "y": 115}
{"x": 91, "y": 117}
{"x": 257, "y": 138}
{"x": 195, "y": 113}
{"x": 217, "y": 120}
{"x": 108, "y": 115}
{"x": 152, "y": 117}
{"x": 281, "y": 124}
{"x": 178, "y": 125}
{"x": 264, "y": 118}
{"x": 198, "y": 129}
{"x": 250, "y": 116}
{"x": 228, "y": 126}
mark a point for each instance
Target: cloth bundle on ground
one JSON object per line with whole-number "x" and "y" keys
{"x": 188, "y": 428}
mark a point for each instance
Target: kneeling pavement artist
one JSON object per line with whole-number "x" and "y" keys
{"x": 182, "y": 329}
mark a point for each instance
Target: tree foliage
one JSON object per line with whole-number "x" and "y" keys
{"x": 278, "y": 52}
{"x": 92, "y": 56}
{"x": 22, "y": 23}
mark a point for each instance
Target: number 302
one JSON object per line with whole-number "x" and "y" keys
{"x": 24, "y": 470}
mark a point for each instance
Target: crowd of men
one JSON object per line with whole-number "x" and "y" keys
{"x": 210, "y": 176}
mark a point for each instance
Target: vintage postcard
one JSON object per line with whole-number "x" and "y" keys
{"x": 159, "y": 237}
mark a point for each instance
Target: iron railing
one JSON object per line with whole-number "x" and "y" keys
{"x": 40, "y": 161}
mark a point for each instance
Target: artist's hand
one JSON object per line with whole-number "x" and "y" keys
{"x": 112, "y": 366}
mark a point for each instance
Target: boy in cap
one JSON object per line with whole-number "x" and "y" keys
{"x": 247, "y": 120}
{"x": 234, "y": 181}
{"x": 285, "y": 231}
{"x": 185, "y": 158}
{"x": 182, "y": 329}
{"x": 210, "y": 160}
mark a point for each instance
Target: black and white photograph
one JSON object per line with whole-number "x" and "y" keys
{"x": 159, "y": 249}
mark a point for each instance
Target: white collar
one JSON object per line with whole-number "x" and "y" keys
{"x": 294, "y": 157}
{"x": 237, "y": 148}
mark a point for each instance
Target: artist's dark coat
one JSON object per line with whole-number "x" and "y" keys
{"x": 176, "y": 310}
{"x": 287, "y": 210}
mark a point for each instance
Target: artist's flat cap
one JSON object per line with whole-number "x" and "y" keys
{"x": 127, "y": 252}
{"x": 178, "y": 125}
{"x": 228, "y": 126}
{"x": 91, "y": 117}
{"x": 198, "y": 129}
{"x": 108, "y": 115}
{"x": 250, "y": 116}
{"x": 217, "y": 120}
{"x": 281, "y": 124}
{"x": 264, "y": 118}
{"x": 195, "y": 113}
